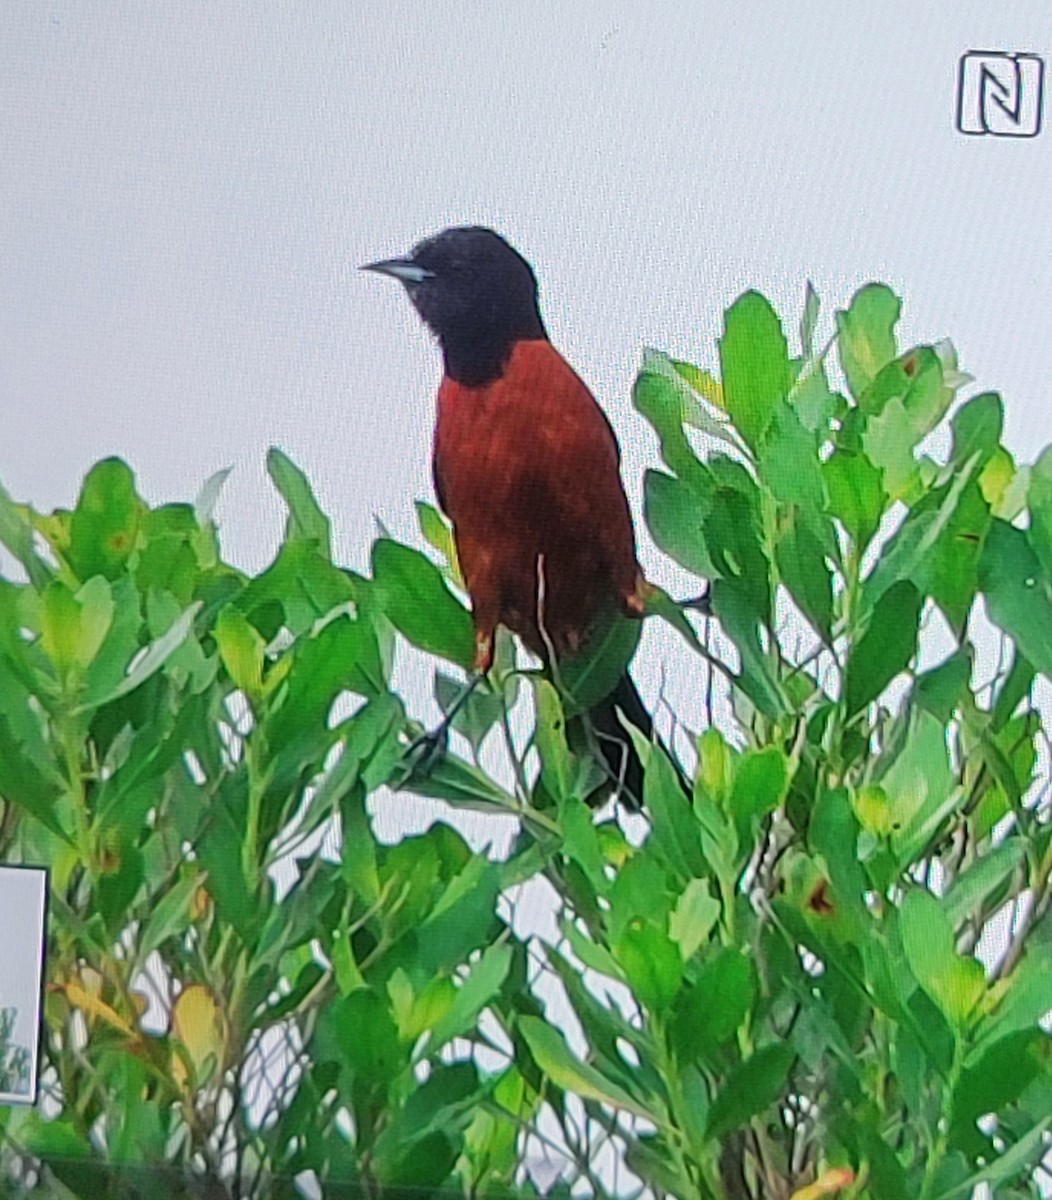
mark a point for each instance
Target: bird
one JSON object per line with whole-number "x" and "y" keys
{"x": 527, "y": 468}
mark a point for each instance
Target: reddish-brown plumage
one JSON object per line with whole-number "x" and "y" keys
{"x": 528, "y": 469}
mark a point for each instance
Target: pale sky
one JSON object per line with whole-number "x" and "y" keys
{"x": 188, "y": 189}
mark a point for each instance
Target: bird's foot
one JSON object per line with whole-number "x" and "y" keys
{"x": 421, "y": 756}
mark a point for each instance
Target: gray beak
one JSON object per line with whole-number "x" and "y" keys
{"x": 403, "y": 269}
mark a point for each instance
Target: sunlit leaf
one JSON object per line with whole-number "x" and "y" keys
{"x": 866, "y": 330}
{"x": 694, "y": 917}
{"x": 419, "y": 604}
{"x": 955, "y": 982}
{"x": 566, "y": 1071}
{"x": 754, "y": 360}
{"x": 105, "y": 523}
{"x": 306, "y": 519}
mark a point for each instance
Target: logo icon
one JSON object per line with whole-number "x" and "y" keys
{"x": 1000, "y": 94}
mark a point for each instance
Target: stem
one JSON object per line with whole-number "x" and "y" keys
{"x": 70, "y": 743}
{"x": 849, "y": 604}
{"x": 698, "y": 1171}
{"x": 250, "y": 847}
{"x": 941, "y": 1141}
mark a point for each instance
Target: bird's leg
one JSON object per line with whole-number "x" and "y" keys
{"x": 424, "y": 751}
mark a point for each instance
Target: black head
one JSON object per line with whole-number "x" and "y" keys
{"x": 476, "y": 293}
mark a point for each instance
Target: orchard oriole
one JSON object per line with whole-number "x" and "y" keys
{"x": 527, "y": 468}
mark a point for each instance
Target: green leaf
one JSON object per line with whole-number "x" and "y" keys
{"x": 955, "y": 983}
{"x": 581, "y": 842}
{"x": 813, "y": 401}
{"x": 464, "y": 917}
{"x": 342, "y": 655}
{"x": 105, "y": 524}
{"x": 463, "y": 785}
{"x": 416, "y": 600}
{"x": 941, "y": 689}
{"x": 22, "y": 782}
{"x": 694, "y": 917}
{"x": 750, "y": 1089}
{"x": 921, "y": 788}
{"x": 886, "y": 647}
{"x": 553, "y": 1056}
{"x": 359, "y": 1031}
{"x": 788, "y": 462}
{"x": 640, "y": 891}
{"x": 977, "y": 427}
{"x": 16, "y": 533}
{"x": 995, "y": 1080}
{"x": 888, "y": 443}
{"x": 647, "y": 1157}
{"x": 833, "y": 835}
{"x": 1004, "y": 485}
{"x": 652, "y": 964}
{"x": 719, "y": 841}
{"x": 754, "y": 361}
{"x": 305, "y": 520}
{"x": 732, "y": 535}
{"x": 57, "y": 1138}
{"x": 801, "y": 561}
{"x": 674, "y": 834}
{"x": 809, "y": 320}
{"x": 1026, "y": 1153}
{"x": 716, "y": 764}
{"x": 867, "y": 335}
{"x": 1016, "y": 686}
{"x": 675, "y": 513}
{"x": 1039, "y": 500}
{"x": 700, "y": 381}
{"x": 665, "y": 401}
{"x": 60, "y": 626}
{"x": 905, "y": 402}
{"x": 1023, "y": 999}
{"x": 151, "y": 660}
{"x": 241, "y": 649}
{"x": 660, "y": 604}
{"x": 856, "y": 493}
{"x": 672, "y": 394}
{"x": 711, "y": 1010}
{"x": 983, "y": 882}
{"x": 408, "y": 1152}
{"x": 761, "y": 779}
{"x": 300, "y": 586}
{"x": 170, "y": 918}
{"x": 937, "y": 547}
{"x": 483, "y": 982}
{"x": 594, "y": 956}
{"x": 438, "y": 533}
{"x": 1017, "y": 592}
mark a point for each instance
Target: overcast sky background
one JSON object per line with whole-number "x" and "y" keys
{"x": 187, "y": 190}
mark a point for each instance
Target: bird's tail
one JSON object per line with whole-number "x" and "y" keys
{"x": 622, "y": 763}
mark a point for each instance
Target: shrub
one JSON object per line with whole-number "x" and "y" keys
{"x": 775, "y": 992}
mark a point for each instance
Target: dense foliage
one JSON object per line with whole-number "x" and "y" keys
{"x": 773, "y": 993}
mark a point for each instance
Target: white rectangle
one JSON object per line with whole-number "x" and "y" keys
{"x": 23, "y": 912}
